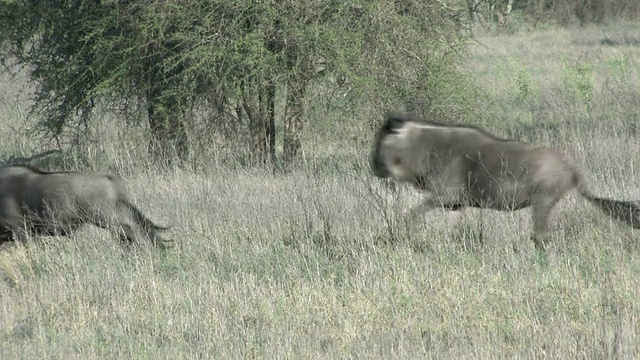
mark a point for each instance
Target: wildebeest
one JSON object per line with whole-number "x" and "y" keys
{"x": 58, "y": 203}
{"x": 464, "y": 166}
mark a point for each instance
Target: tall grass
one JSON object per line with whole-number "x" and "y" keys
{"x": 301, "y": 265}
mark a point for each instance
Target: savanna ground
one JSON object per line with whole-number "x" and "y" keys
{"x": 302, "y": 265}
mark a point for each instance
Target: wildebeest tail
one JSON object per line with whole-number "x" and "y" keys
{"x": 625, "y": 211}
{"x": 622, "y": 210}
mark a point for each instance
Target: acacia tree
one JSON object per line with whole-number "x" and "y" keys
{"x": 392, "y": 51}
{"x": 120, "y": 53}
{"x": 165, "y": 56}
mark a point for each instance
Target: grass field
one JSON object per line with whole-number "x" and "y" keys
{"x": 296, "y": 266}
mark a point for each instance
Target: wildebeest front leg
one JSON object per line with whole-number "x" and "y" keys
{"x": 21, "y": 234}
{"x": 127, "y": 234}
{"x": 6, "y": 235}
{"x": 109, "y": 219}
{"x": 16, "y": 229}
{"x": 428, "y": 204}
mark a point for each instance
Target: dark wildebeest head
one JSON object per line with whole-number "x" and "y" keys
{"x": 466, "y": 166}
{"x": 57, "y": 203}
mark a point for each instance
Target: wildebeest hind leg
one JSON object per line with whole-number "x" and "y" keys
{"x": 542, "y": 207}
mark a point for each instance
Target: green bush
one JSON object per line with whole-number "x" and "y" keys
{"x": 190, "y": 69}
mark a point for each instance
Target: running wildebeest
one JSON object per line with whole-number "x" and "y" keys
{"x": 464, "y": 166}
{"x": 58, "y": 203}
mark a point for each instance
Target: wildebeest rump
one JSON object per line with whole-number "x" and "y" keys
{"x": 463, "y": 166}
{"x": 58, "y": 203}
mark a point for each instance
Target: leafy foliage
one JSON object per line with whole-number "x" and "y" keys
{"x": 233, "y": 57}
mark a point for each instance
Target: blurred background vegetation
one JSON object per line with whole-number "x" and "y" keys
{"x": 189, "y": 81}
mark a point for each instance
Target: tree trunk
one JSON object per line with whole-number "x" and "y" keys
{"x": 259, "y": 105}
{"x": 270, "y": 106}
{"x": 168, "y": 141}
{"x": 294, "y": 121}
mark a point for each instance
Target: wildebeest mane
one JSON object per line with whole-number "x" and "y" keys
{"x": 395, "y": 120}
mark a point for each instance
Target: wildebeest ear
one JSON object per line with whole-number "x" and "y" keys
{"x": 395, "y": 121}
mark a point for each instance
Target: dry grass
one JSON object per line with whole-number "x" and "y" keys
{"x": 292, "y": 266}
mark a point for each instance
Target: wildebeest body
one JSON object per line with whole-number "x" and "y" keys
{"x": 58, "y": 203}
{"x": 462, "y": 166}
